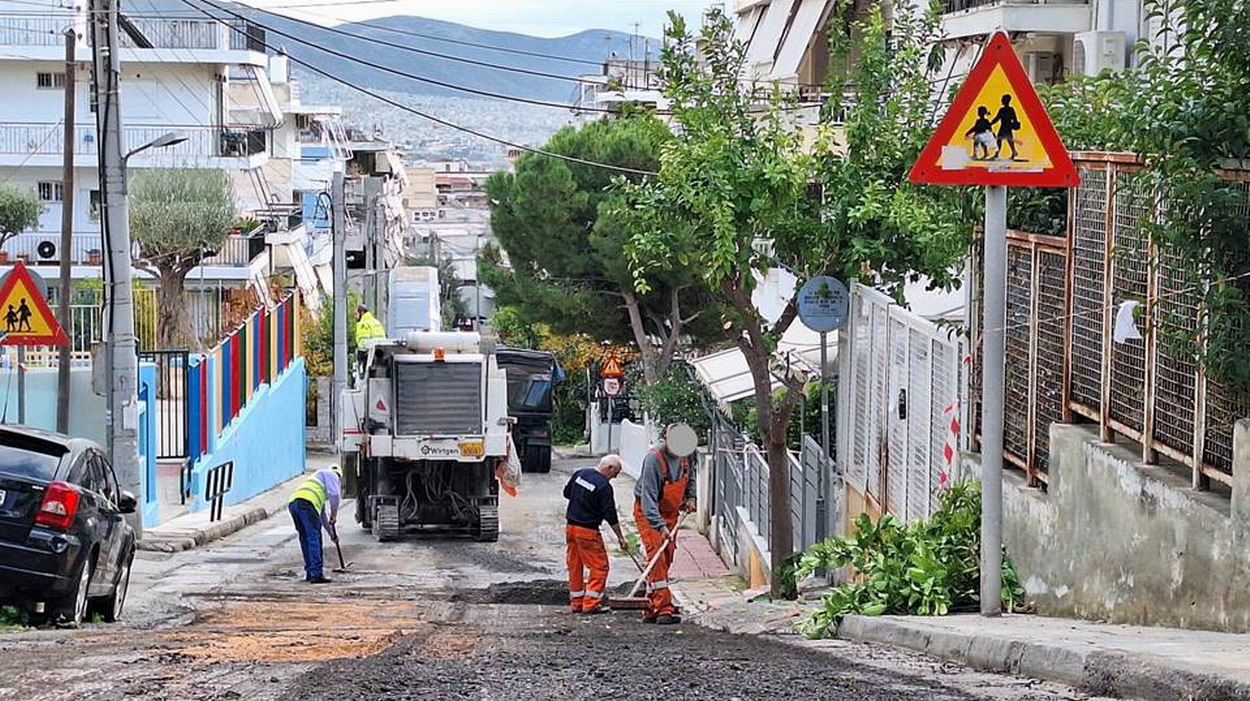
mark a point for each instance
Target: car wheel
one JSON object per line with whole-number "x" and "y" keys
{"x": 113, "y": 604}
{"x": 73, "y": 607}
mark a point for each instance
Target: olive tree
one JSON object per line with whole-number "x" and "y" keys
{"x": 19, "y": 211}
{"x": 177, "y": 217}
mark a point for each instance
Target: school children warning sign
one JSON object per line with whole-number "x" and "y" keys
{"x": 27, "y": 319}
{"x": 996, "y": 132}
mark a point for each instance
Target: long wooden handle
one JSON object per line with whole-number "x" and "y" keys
{"x": 655, "y": 559}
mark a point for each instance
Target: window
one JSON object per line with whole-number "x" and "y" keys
{"x": 50, "y": 81}
{"x": 95, "y": 205}
{"x": 50, "y": 191}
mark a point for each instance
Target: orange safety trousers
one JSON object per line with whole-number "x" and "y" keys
{"x": 584, "y": 550}
{"x": 672, "y": 495}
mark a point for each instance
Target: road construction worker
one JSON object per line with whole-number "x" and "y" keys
{"x": 665, "y": 489}
{"x": 315, "y": 505}
{"x": 591, "y": 502}
{"x": 367, "y": 326}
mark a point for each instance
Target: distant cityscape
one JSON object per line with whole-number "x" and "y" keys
{"x": 421, "y": 139}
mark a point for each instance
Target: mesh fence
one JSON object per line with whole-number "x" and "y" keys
{"x": 1017, "y": 378}
{"x": 903, "y": 402}
{"x": 1050, "y": 350}
{"x": 1130, "y": 270}
{"x": 1088, "y": 259}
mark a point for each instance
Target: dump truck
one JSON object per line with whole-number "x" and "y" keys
{"x": 427, "y": 421}
{"x": 532, "y": 377}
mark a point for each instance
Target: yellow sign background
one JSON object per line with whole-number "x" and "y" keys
{"x": 40, "y": 325}
{"x": 957, "y": 154}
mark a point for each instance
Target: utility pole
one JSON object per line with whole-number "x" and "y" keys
{"x": 67, "y": 236}
{"x": 121, "y": 417}
{"x": 338, "y": 228}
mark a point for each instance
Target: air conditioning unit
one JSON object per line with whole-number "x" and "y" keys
{"x": 1095, "y": 52}
{"x": 1043, "y": 67}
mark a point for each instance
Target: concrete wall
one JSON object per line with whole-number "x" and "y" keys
{"x": 86, "y": 409}
{"x": 1116, "y": 540}
{"x": 265, "y": 442}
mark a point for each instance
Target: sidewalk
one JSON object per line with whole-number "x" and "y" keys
{"x": 194, "y": 529}
{"x": 1164, "y": 664}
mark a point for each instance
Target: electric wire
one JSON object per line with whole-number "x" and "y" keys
{"x": 439, "y": 120}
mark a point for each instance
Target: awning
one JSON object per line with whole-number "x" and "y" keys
{"x": 804, "y": 30}
{"x": 768, "y": 35}
{"x": 726, "y": 376}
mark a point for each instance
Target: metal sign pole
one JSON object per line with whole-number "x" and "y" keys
{"x": 822, "y": 464}
{"x": 993, "y": 360}
{"x": 610, "y": 403}
{"x": 21, "y": 385}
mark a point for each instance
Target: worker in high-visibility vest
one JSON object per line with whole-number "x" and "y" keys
{"x": 315, "y": 505}
{"x": 367, "y": 326}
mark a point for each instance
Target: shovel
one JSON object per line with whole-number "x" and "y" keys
{"x": 342, "y": 565}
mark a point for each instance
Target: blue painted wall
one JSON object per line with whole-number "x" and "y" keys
{"x": 265, "y": 442}
{"x": 149, "y": 506}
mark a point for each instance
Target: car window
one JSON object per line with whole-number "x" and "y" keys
{"x": 92, "y": 478}
{"x": 110, "y": 479}
{"x": 100, "y": 475}
{"x": 23, "y": 456}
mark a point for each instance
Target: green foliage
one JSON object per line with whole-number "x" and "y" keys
{"x": 1184, "y": 111}
{"x": 928, "y": 567}
{"x": 13, "y": 617}
{"x": 564, "y": 229}
{"x": 878, "y": 226}
{"x": 319, "y": 337}
{"x": 676, "y": 397}
{"x": 514, "y": 329}
{"x": 177, "y": 213}
{"x": 19, "y": 211}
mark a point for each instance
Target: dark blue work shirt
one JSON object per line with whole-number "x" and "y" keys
{"x": 591, "y": 501}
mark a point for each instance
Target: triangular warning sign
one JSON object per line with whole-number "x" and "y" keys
{"x": 611, "y": 368}
{"x": 25, "y": 319}
{"x": 996, "y": 132}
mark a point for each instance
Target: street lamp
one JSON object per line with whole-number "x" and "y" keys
{"x": 121, "y": 359}
{"x": 172, "y": 138}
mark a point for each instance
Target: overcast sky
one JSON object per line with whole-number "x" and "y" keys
{"x": 548, "y": 18}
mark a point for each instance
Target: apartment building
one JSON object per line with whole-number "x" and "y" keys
{"x": 787, "y": 40}
{"x": 178, "y": 75}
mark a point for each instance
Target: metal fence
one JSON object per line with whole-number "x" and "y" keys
{"x": 899, "y": 378}
{"x": 1062, "y": 365}
{"x": 171, "y": 401}
{"x": 740, "y": 489}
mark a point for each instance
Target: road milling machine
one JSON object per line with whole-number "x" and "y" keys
{"x": 428, "y": 421}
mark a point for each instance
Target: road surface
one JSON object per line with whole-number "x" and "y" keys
{"x": 436, "y": 619}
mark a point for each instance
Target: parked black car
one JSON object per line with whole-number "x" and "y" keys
{"x": 65, "y": 545}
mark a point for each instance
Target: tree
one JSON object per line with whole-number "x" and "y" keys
{"x": 178, "y": 217}
{"x": 564, "y": 228}
{"x": 733, "y": 198}
{"x": 19, "y": 211}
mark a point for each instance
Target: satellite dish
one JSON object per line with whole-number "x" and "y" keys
{"x": 681, "y": 440}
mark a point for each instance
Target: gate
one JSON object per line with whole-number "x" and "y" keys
{"x": 171, "y": 401}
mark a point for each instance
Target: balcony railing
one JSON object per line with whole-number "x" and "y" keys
{"x": 961, "y": 5}
{"x": 161, "y": 33}
{"x": 236, "y": 250}
{"x": 41, "y": 249}
{"x": 48, "y": 139}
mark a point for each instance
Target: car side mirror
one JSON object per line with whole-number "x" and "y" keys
{"x": 127, "y": 503}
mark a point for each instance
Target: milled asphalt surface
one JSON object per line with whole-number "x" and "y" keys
{"x": 435, "y": 618}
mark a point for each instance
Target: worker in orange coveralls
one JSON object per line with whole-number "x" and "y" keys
{"x": 665, "y": 489}
{"x": 591, "y": 502}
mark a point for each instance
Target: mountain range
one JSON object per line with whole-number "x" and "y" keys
{"x": 570, "y": 56}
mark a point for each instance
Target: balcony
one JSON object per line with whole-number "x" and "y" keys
{"x": 971, "y": 18}
{"x": 41, "y": 144}
{"x": 167, "y": 40}
{"x": 44, "y": 249}
{"x": 87, "y": 249}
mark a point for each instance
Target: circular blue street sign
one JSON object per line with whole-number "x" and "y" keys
{"x": 824, "y": 304}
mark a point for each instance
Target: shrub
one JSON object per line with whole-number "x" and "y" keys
{"x": 928, "y": 567}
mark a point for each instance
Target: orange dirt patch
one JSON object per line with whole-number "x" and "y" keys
{"x": 296, "y": 631}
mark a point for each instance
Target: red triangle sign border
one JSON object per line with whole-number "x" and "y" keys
{"x": 998, "y": 52}
{"x": 58, "y": 336}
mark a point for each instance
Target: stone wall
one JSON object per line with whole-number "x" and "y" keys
{"x": 1113, "y": 539}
